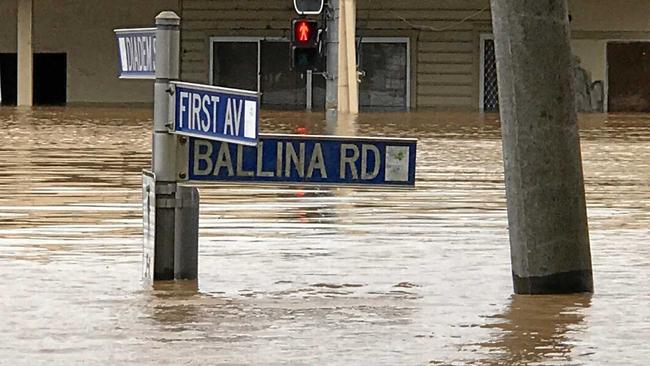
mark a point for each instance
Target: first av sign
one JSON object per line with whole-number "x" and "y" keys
{"x": 214, "y": 113}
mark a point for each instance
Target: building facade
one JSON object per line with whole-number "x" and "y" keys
{"x": 412, "y": 54}
{"x": 75, "y": 51}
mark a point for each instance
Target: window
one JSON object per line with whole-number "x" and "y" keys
{"x": 280, "y": 87}
{"x": 263, "y": 65}
{"x": 489, "y": 93}
{"x": 260, "y": 64}
{"x": 385, "y": 84}
{"x": 234, "y": 64}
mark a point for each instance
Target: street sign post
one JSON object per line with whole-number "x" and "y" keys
{"x": 137, "y": 53}
{"x": 304, "y": 159}
{"x": 214, "y": 113}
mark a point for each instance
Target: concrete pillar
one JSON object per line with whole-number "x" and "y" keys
{"x": 25, "y": 58}
{"x": 348, "y": 89}
{"x": 549, "y": 238}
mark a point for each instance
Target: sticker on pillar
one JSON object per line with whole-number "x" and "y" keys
{"x": 397, "y": 163}
{"x": 148, "y": 225}
{"x": 250, "y": 119}
{"x": 214, "y": 113}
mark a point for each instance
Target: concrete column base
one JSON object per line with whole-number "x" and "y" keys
{"x": 557, "y": 283}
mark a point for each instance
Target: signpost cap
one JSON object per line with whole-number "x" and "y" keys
{"x": 168, "y": 18}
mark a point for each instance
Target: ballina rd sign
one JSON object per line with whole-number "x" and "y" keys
{"x": 305, "y": 159}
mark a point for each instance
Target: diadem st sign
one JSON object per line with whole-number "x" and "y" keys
{"x": 137, "y": 53}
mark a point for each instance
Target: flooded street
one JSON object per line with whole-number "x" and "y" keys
{"x": 308, "y": 275}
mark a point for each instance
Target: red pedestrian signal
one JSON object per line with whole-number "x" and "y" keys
{"x": 305, "y": 32}
{"x": 302, "y": 30}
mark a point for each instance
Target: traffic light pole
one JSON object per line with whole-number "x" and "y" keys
{"x": 331, "y": 87}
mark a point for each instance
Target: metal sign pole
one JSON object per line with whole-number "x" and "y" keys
{"x": 331, "y": 89}
{"x": 309, "y": 90}
{"x": 164, "y": 143}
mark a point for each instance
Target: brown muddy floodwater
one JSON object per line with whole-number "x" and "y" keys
{"x": 310, "y": 276}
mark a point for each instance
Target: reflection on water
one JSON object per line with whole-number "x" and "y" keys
{"x": 534, "y": 329}
{"x": 309, "y": 275}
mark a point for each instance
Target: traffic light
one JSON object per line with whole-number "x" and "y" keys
{"x": 305, "y": 45}
{"x": 304, "y": 33}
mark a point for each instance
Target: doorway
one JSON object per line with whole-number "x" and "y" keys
{"x": 8, "y": 78}
{"x": 50, "y": 78}
{"x": 385, "y": 63}
{"x": 628, "y": 74}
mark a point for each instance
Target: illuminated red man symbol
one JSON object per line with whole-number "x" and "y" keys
{"x": 303, "y": 32}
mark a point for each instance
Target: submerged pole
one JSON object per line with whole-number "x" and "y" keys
{"x": 549, "y": 239}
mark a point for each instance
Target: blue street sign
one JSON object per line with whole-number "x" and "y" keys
{"x": 215, "y": 113}
{"x": 137, "y": 53}
{"x": 305, "y": 159}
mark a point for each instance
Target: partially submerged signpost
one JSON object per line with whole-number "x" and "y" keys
{"x": 204, "y": 133}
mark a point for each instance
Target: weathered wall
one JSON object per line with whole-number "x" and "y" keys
{"x": 84, "y": 30}
{"x": 444, "y": 36}
{"x": 444, "y": 56}
{"x": 8, "y": 12}
{"x": 607, "y": 15}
